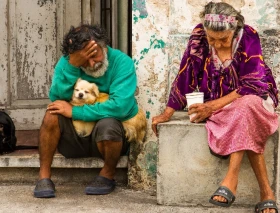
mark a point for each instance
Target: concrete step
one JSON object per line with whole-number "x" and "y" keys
{"x": 30, "y": 158}
{"x": 187, "y": 174}
{"x": 23, "y": 165}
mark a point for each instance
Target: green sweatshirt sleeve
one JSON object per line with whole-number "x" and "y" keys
{"x": 122, "y": 103}
{"x": 64, "y": 79}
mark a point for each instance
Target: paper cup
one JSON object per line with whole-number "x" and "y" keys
{"x": 194, "y": 98}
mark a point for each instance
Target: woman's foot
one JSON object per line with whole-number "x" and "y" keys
{"x": 231, "y": 179}
{"x": 267, "y": 200}
{"x": 221, "y": 198}
{"x": 231, "y": 184}
{"x": 266, "y": 206}
{"x": 226, "y": 194}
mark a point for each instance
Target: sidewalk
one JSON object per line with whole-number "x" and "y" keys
{"x": 70, "y": 198}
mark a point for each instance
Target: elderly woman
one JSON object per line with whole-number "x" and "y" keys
{"x": 224, "y": 60}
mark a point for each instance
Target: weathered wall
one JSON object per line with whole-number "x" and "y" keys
{"x": 160, "y": 33}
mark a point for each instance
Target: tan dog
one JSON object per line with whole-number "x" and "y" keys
{"x": 88, "y": 93}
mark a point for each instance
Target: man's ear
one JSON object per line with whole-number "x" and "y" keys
{"x": 94, "y": 90}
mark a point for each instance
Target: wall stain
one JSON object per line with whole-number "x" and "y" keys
{"x": 40, "y": 31}
{"x": 140, "y": 5}
{"x": 154, "y": 44}
{"x": 135, "y": 19}
{"x": 265, "y": 11}
{"x": 42, "y": 3}
{"x": 148, "y": 114}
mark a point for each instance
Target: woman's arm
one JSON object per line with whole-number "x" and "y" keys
{"x": 163, "y": 117}
{"x": 205, "y": 110}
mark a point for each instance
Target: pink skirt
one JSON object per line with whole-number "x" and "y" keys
{"x": 245, "y": 124}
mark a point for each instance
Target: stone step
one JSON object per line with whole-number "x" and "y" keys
{"x": 30, "y": 158}
{"x": 23, "y": 165}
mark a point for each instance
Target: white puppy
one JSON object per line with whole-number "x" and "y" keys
{"x": 88, "y": 93}
{"x": 84, "y": 93}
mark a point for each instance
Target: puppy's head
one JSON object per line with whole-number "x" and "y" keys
{"x": 85, "y": 92}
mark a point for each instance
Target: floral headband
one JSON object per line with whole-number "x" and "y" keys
{"x": 220, "y": 18}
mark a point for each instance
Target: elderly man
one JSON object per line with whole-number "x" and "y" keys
{"x": 86, "y": 55}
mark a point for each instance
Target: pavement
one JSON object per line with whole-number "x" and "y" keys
{"x": 70, "y": 198}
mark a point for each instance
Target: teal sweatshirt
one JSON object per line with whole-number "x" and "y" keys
{"x": 119, "y": 81}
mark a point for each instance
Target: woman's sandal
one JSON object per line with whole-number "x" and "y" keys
{"x": 224, "y": 192}
{"x": 266, "y": 204}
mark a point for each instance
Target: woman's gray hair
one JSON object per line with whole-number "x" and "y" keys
{"x": 222, "y": 8}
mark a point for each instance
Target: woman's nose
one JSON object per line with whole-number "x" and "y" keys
{"x": 217, "y": 44}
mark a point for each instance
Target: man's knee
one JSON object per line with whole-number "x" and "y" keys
{"x": 50, "y": 121}
{"x": 108, "y": 129}
{"x": 108, "y": 126}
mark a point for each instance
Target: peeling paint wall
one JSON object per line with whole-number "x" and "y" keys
{"x": 160, "y": 33}
{"x": 149, "y": 47}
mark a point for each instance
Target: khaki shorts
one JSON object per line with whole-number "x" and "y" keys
{"x": 72, "y": 146}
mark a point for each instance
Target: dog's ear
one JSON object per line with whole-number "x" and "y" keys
{"x": 79, "y": 79}
{"x": 94, "y": 90}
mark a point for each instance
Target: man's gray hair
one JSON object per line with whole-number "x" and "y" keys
{"x": 225, "y": 9}
{"x": 78, "y": 37}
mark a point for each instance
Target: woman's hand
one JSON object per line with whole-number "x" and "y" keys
{"x": 163, "y": 117}
{"x": 202, "y": 111}
{"x": 205, "y": 110}
{"x": 80, "y": 57}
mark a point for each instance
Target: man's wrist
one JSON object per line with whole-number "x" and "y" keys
{"x": 73, "y": 63}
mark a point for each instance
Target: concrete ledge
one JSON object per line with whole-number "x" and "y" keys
{"x": 29, "y": 175}
{"x": 188, "y": 174}
{"x": 30, "y": 158}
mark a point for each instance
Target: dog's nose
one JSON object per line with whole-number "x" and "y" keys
{"x": 81, "y": 95}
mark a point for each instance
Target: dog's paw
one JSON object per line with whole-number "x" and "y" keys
{"x": 82, "y": 134}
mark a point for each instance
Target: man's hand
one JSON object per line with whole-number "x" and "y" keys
{"x": 80, "y": 57}
{"x": 202, "y": 111}
{"x": 60, "y": 107}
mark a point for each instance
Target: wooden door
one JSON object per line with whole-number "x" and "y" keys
{"x": 31, "y": 32}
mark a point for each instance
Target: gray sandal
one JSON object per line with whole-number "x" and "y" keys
{"x": 224, "y": 192}
{"x": 45, "y": 188}
{"x": 100, "y": 186}
{"x": 266, "y": 204}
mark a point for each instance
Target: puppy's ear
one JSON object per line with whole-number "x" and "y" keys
{"x": 79, "y": 79}
{"x": 94, "y": 90}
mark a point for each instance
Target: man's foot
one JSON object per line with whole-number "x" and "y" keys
{"x": 45, "y": 188}
{"x": 266, "y": 206}
{"x": 100, "y": 186}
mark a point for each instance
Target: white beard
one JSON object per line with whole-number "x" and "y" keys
{"x": 99, "y": 68}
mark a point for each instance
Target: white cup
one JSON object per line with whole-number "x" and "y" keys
{"x": 194, "y": 98}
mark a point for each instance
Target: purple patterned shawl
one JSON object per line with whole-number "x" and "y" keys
{"x": 247, "y": 73}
